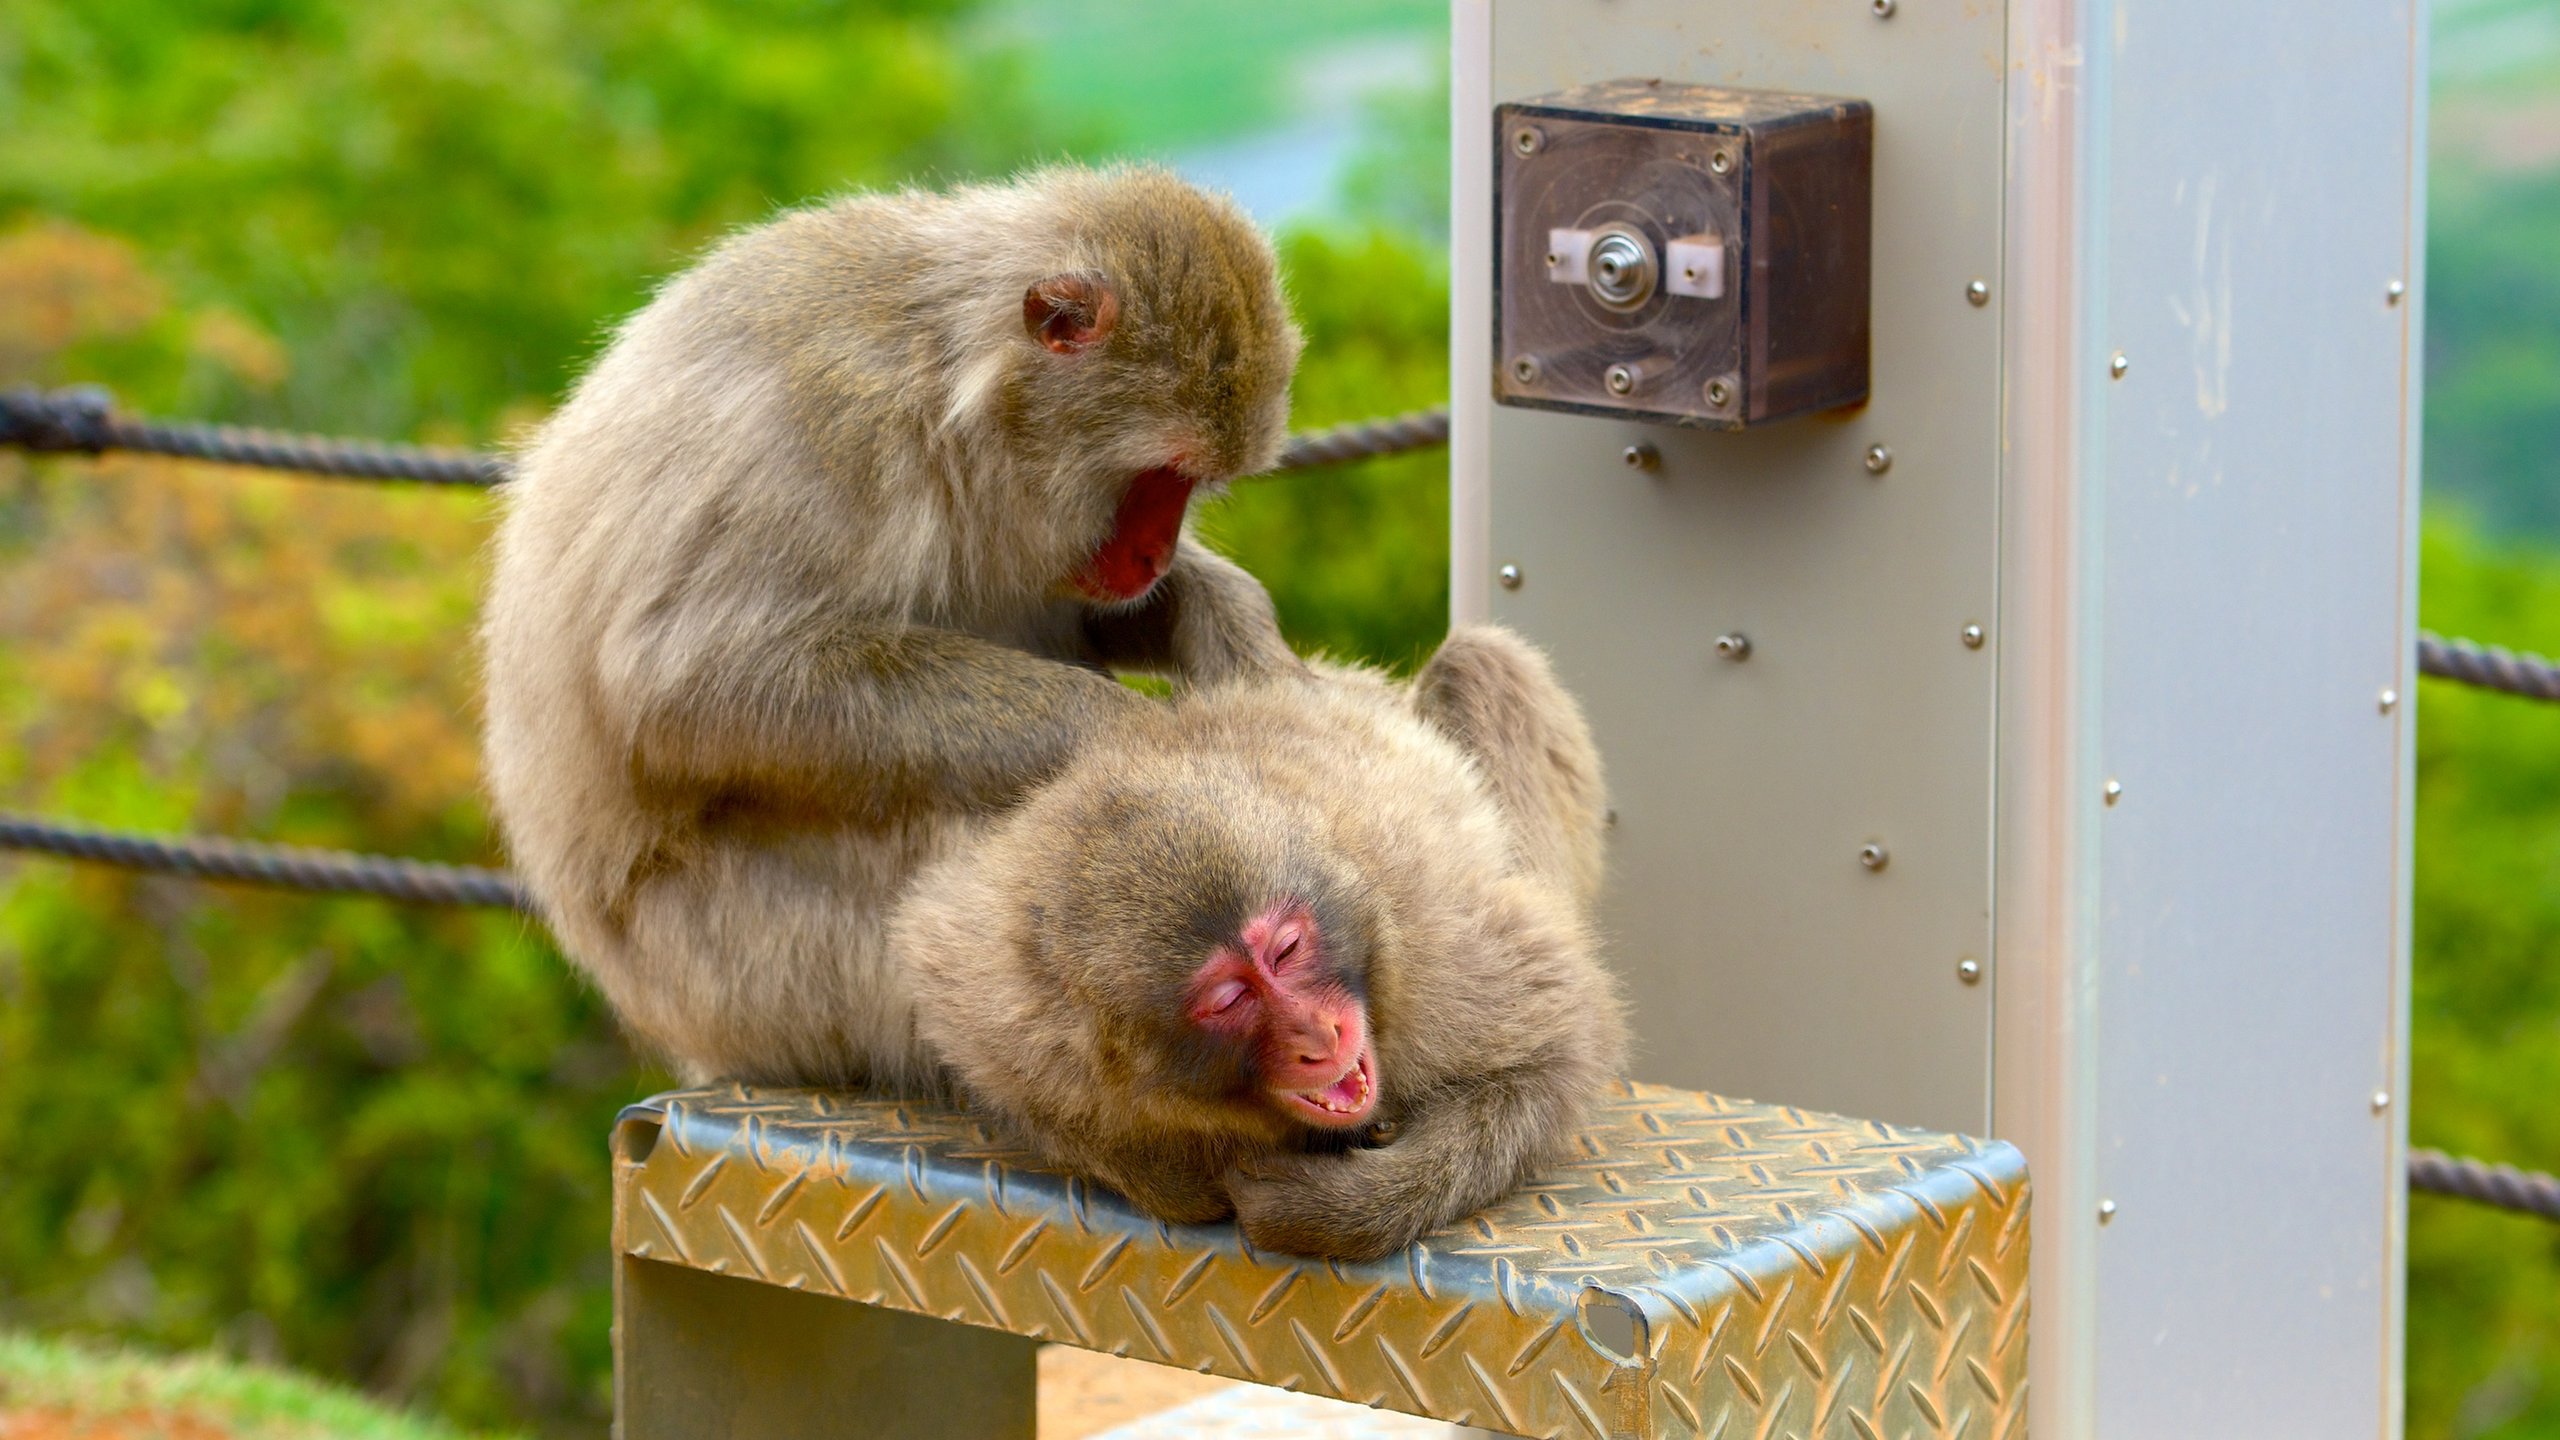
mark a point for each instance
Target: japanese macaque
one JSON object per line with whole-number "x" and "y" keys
{"x": 826, "y": 559}
{"x": 1311, "y": 951}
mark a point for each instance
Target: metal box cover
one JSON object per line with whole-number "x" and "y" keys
{"x": 1775, "y": 185}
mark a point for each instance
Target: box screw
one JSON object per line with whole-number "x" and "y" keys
{"x": 2393, "y": 292}
{"x": 2118, "y": 364}
{"x": 1721, "y": 162}
{"x": 1510, "y": 577}
{"x": 1883, "y": 8}
{"x": 1527, "y": 140}
{"x": 1526, "y": 369}
{"x": 1734, "y": 645}
{"x": 1972, "y": 637}
{"x": 1621, "y": 379}
{"x": 2386, "y": 700}
{"x": 1874, "y": 856}
{"x": 1879, "y": 459}
{"x": 1979, "y": 292}
{"x": 2106, "y": 1211}
{"x": 2114, "y": 791}
{"x": 1718, "y": 393}
{"x": 1969, "y": 970}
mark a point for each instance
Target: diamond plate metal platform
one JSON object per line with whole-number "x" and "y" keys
{"x": 1701, "y": 1267}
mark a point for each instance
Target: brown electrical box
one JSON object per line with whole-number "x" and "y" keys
{"x": 1682, "y": 253}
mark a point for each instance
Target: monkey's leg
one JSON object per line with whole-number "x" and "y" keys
{"x": 1207, "y": 620}
{"x": 1496, "y": 696}
{"x": 1461, "y": 1150}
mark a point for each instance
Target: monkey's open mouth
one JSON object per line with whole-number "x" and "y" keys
{"x": 1143, "y": 532}
{"x": 1346, "y": 1101}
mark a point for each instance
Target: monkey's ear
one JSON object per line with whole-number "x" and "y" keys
{"x": 1070, "y": 312}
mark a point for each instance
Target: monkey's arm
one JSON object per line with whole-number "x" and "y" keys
{"x": 1457, "y": 1150}
{"x": 826, "y": 711}
{"x": 1207, "y": 620}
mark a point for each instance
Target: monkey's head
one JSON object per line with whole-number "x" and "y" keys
{"x": 1154, "y": 360}
{"x": 1197, "y": 967}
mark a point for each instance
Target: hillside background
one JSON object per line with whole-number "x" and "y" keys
{"x": 366, "y": 1141}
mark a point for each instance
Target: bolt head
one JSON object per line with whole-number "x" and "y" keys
{"x": 1874, "y": 856}
{"x": 2117, "y": 364}
{"x": 2106, "y": 1211}
{"x": 1879, "y": 459}
{"x": 1978, "y": 293}
{"x": 1510, "y": 577}
{"x": 1640, "y": 456}
{"x": 1734, "y": 645}
{"x": 1972, "y": 637}
{"x": 1527, "y": 140}
{"x": 2385, "y": 701}
{"x": 2114, "y": 791}
{"x": 1969, "y": 970}
{"x": 1718, "y": 393}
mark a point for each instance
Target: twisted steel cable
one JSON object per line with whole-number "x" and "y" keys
{"x": 1416, "y": 430}
{"x": 2491, "y": 667}
{"x": 83, "y": 420}
{"x": 2503, "y": 1186}
{"x": 288, "y": 867}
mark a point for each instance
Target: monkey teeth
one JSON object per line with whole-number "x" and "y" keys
{"x": 1347, "y": 1097}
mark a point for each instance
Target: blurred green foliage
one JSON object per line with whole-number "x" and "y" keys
{"x": 2484, "y": 1287}
{"x": 368, "y": 1139}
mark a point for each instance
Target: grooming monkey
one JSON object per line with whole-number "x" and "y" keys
{"x": 823, "y": 562}
{"x": 1238, "y": 937}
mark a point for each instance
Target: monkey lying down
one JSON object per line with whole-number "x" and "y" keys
{"x": 1310, "y": 951}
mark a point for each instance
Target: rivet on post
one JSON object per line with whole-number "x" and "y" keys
{"x": 1734, "y": 645}
{"x": 1510, "y": 577}
{"x": 1641, "y": 456}
{"x": 1879, "y": 459}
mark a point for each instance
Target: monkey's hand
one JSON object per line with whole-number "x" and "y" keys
{"x": 1355, "y": 1205}
{"x": 1206, "y": 621}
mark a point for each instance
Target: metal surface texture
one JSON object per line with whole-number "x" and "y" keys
{"x": 2252, "y": 589}
{"x": 1762, "y": 955}
{"x": 1700, "y": 1267}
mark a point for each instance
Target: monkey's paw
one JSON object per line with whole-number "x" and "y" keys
{"x": 1349, "y": 1206}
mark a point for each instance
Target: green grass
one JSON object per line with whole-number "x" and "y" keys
{"x": 249, "y": 1402}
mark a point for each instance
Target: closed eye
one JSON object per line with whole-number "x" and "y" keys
{"x": 1222, "y": 997}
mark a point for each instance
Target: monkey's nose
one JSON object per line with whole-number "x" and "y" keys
{"x": 1326, "y": 1045}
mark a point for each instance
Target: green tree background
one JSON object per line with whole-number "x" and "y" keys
{"x": 366, "y": 1140}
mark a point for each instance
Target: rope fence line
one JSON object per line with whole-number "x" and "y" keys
{"x": 284, "y": 867}
{"x": 82, "y": 420}
{"x": 2491, "y": 667}
{"x": 2503, "y": 1186}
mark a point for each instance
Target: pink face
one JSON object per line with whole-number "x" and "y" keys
{"x": 1273, "y": 988}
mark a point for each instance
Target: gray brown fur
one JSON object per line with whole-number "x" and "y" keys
{"x": 1447, "y": 835}
{"x": 778, "y": 617}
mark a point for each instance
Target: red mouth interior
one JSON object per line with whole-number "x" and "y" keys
{"x": 1143, "y": 532}
{"x": 1346, "y": 1101}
